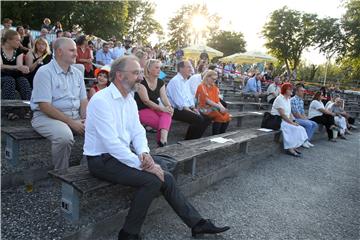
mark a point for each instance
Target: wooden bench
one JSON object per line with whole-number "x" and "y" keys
{"x": 241, "y": 105}
{"x": 77, "y": 181}
{"x": 14, "y": 135}
{"x": 240, "y": 115}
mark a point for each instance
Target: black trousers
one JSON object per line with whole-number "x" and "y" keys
{"x": 148, "y": 187}
{"x": 198, "y": 123}
{"x": 218, "y": 127}
{"x": 327, "y": 120}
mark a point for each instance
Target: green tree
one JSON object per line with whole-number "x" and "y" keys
{"x": 329, "y": 37}
{"x": 307, "y": 72}
{"x": 351, "y": 22}
{"x": 181, "y": 29}
{"x": 350, "y": 61}
{"x": 141, "y": 22}
{"x": 287, "y": 34}
{"x": 101, "y": 18}
{"x": 228, "y": 42}
{"x": 33, "y": 12}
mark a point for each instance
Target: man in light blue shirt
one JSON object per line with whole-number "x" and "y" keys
{"x": 182, "y": 100}
{"x": 118, "y": 51}
{"x": 103, "y": 56}
{"x": 253, "y": 85}
{"x": 59, "y": 101}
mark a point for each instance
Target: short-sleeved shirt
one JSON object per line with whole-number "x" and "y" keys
{"x": 63, "y": 90}
{"x": 315, "y": 105}
{"x": 104, "y": 57}
{"x": 283, "y": 103}
{"x": 335, "y": 109}
{"x": 297, "y": 105}
{"x": 273, "y": 88}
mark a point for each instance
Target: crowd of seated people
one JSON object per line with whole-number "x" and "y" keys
{"x": 59, "y": 99}
{"x": 191, "y": 98}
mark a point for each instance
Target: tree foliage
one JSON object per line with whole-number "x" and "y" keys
{"x": 329, "y": 37}
{"x": 351, "y": 27}
{"x": 228, "y": 42}
{"x": 101, "y": 18}
{"x": 141, "y": 22}
{"x": 181, "y": 30}
{"x": 288, "y": 33}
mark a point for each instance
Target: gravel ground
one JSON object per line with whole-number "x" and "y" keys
{"x": 315, "y": 197}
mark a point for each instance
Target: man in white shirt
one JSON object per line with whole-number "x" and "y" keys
{"x": 195, "y": 80}
{"x": 112, "y": 124}
{"x": 182, "y": 100}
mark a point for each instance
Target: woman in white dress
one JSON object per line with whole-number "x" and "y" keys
{"x": 294, "y": 135}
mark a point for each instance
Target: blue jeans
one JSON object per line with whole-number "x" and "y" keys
{"x": 310, "y": 126}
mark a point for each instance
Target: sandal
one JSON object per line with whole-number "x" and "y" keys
{"x": 295, "y": 154}
{"x": 297, "y": 151}
{"x": 12, "y": 116}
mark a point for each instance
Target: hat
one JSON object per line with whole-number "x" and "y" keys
{"x": 105, "y": 69}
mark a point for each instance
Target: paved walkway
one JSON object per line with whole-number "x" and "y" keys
{"x": 315, "y": 197}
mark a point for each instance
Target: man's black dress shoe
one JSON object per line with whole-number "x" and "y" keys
{"x": 127, "y": 236}
{"x": 206, "y": 226}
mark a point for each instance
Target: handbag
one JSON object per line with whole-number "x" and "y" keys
{"x": 271, "y": 121}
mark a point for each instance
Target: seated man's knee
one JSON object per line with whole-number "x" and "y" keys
{"x": 64, "y": 137}
{"x": 154, "y": 183}
{"x": 168, "y": 177}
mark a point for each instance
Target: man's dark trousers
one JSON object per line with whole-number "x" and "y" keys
{"x": 148, "y": 187}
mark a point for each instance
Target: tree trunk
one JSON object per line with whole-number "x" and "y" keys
{"x": 288, "y": 69}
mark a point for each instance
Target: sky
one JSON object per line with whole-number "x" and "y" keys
{"x": 249, "y": 17}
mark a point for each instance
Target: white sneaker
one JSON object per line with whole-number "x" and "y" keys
{"x": 305, "y": 145}
{"x": 310, "y": 144}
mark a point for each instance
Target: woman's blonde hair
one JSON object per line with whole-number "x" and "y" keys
{"x": 148, "y": 64}
{"x": 208, "y": 73}
{"x": 44, "y": 41}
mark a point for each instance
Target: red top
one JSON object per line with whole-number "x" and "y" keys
{"x": 84, "y": 55}
{"x": 95, "y": 87}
